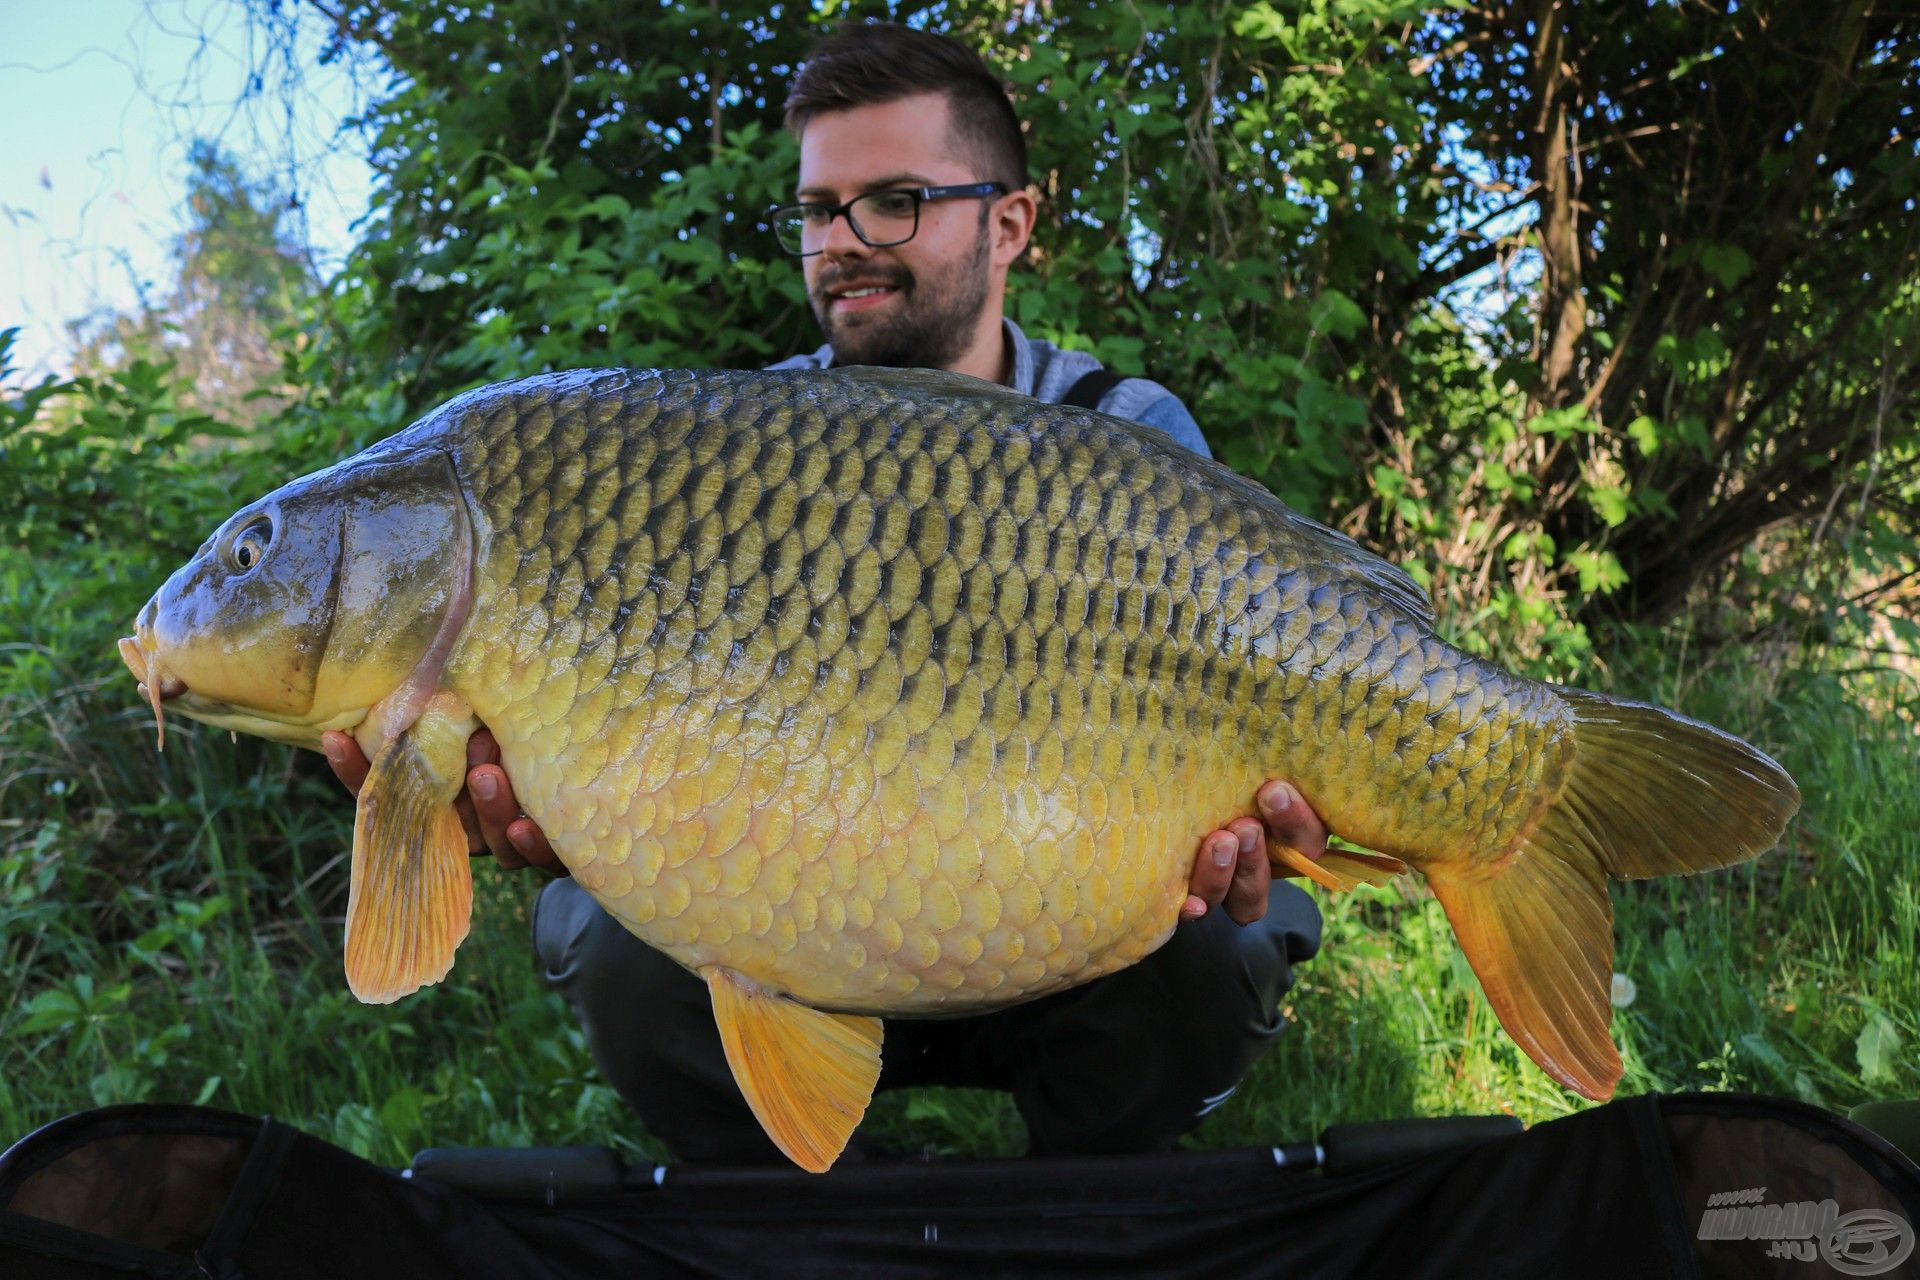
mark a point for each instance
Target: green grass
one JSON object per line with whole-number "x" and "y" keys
{"x": 169, "y": 930}
{"x": 1795, "y": 974}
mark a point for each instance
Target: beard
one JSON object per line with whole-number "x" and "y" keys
{"x": 932, "y": 324}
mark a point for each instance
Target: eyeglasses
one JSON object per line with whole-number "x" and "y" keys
{"x": 880, "y": 218}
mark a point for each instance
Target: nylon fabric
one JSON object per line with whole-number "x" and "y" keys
{"x": 1616, "y": 1191}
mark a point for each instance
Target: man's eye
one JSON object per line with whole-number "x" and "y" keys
{"x": 816, "y": 215}
{"x": 893, "y": 204}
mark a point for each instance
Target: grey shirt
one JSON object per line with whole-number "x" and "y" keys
{"x": 1045, "y": 372}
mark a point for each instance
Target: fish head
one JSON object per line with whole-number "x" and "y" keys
{"x": 307, "y": 608}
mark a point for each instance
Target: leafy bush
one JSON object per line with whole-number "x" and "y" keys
{"x": 1346, "y": 231}
{"x": 1592, "y": 333}
{"x": 114, "y": 485}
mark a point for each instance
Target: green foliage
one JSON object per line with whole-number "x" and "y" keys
{"x": 240, "y": 287}
{"x": 1335, "y": 227}
{"x": 101, "y": 469}
{"x": 114, "y": 484}
{"x": 1718, "y": 273}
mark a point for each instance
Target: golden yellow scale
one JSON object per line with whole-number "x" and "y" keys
{"x": 876, "y": 778}
{"x": 894, "y": 693}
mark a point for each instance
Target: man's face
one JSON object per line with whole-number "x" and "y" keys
{"x": 917, "y": 304}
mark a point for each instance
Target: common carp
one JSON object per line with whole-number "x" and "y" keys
{"x": 877, "y": 692}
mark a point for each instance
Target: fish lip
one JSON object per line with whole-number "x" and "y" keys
{"x": 140, "y": 660}
{"x": 176, "y": 696}
{"x": 155, "y": 680}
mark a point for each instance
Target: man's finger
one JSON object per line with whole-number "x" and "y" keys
{"x": 345, "y": 758}
{"x": 1212, "y": 874}
{"x": 530, "y": 842}
{"x": 476, "y": 839}
{"x": 1246, "y": 899}
{"x": 494, "y": 810}
{"x": 515, "y": 839}
{"x": 482, "y": 748}
{"x": 1290, "y": 820}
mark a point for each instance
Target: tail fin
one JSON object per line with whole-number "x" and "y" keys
{"x": 1649, "y": 792}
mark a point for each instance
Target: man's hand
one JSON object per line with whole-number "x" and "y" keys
{"x": 487, "y": 808}
{"x": 1232, "y": 868}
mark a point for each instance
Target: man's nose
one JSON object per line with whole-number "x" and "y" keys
{"x": 841, "y": 242}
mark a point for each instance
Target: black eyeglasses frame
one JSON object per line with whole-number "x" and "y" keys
{"x": 921, "y": 195}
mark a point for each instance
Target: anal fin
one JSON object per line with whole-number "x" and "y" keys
{"x": 411, "y": 899}
{"x": 807, "y": 1074}
{"x": 1340, "y": 870}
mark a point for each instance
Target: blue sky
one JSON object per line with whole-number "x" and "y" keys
{"x": 101, "y": 100}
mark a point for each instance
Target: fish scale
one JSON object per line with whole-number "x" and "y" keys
{"x": 1008, "y": 647}
{"x": 882, "y": 692}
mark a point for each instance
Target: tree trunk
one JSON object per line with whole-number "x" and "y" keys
{"x": 1563, "y": 310}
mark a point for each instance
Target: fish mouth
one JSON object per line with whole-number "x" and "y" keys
{"x": 163, "y": 690}
{"x": 157, "y": 684}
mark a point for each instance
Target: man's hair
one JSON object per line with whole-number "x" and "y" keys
{"x": 864, "y": 64}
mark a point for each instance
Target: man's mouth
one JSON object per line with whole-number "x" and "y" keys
{"x": 860, "y": 295}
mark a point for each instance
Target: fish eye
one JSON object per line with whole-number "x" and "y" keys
{"x": 249, "y": 546}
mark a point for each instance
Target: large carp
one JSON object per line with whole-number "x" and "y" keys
{"x": 895, "y": 693}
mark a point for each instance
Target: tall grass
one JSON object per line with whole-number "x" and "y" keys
{"x": 170, "y": 924}
{"x": 170, "y": 928}
{"x": 1794, "y": 974}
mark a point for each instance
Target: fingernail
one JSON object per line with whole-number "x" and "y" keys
{"x": 330, "y": 746}
{"x": 485, "y": 787}
{"x": 1276, "y": 800}
{"x": 1193, "y": 909}
{"x": 522, "y": 839}
{"x": 1247, "y": 840}
{"x": 1223, "y": 854}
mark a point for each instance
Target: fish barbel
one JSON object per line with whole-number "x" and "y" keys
{"x": 870, "y": 692}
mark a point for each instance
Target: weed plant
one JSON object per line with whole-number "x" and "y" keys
{"x": 170, "y": 923}
{"x": 171, "y": 927}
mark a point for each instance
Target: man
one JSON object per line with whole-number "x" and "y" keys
{"x": 912, "y": 206}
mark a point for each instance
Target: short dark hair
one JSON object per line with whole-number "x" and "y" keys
{"x": 866, "y": 63}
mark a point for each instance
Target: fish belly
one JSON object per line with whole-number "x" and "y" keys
{"x": 931, "y": 879}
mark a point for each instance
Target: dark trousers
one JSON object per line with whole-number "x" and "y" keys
{"x": 1128, "y": 1062}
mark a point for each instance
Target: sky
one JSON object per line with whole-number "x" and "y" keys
{"x": 102, "y": 100}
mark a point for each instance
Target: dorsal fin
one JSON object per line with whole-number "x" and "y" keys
{"x": 1316, "y": 541}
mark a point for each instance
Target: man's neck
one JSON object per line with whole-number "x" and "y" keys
{"x": 988, "y": 356}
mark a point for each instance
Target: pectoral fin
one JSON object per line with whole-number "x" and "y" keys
{"x": 412, "y": 895}
{"x": 808, "y": 1075}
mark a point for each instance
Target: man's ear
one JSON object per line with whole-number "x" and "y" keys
{"x": 1012, "y": 219}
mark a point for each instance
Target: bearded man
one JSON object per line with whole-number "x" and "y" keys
{"x": 911, "y": 205}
